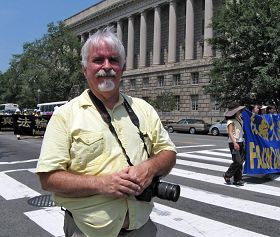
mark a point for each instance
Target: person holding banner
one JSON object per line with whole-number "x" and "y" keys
{"x": 236, "y": 144}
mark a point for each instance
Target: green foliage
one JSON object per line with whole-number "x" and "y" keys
{"x": 247, "y": 35}
{"x": 50, "y": 65}
{"x": 165, "y": 102}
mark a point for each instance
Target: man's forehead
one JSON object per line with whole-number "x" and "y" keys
{"x": 104, "y": 48}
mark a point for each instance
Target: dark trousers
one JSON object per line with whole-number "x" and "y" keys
{"x": 238, "y": 158}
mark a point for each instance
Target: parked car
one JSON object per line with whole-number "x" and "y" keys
{"x": 219, "y": 128}
{"x": 188, "y": 125}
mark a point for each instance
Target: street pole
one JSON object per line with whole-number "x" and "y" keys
{"x": 38, "y": 91}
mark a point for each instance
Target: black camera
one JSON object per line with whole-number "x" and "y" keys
{"x": 167, "y": 191}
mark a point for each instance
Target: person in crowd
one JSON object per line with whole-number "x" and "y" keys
{"x": 94, "y": 158}
{"x": 236, "y": 144}
{"x": 37, "y": 113}
{"x": 270, "y": 109}
{"x": 263, "y": 109}
{"x": 18, "y": 111}
{"x": 255, "y": 109}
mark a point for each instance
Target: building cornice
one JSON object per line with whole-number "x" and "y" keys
{"x": 107, "y": 12}
{"x": 191, "y": 64}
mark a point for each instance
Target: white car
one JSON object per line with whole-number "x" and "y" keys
{"x": 219, "y": 128}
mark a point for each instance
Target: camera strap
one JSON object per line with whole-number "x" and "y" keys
{"x": 107, "y": 119}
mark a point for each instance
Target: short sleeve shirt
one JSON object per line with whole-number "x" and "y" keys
{"x": 238, "y": 129}
{"x": 78, "y": 140}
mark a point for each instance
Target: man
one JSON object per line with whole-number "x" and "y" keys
{"x": 86, "y": 165}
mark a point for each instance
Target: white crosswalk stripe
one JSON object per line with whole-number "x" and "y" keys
{"x": 186, "y": 222}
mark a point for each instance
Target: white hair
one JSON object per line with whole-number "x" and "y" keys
{"x": 106, "y": 35}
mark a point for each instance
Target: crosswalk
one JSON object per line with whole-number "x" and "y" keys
{"x": 199, "y": 174}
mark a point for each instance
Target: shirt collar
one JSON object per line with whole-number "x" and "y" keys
{"x": 84, "y": 100}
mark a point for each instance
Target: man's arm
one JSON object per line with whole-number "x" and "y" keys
{"x": 66, "y": 184}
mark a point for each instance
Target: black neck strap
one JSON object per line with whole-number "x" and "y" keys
{"x": 107, "y": 119}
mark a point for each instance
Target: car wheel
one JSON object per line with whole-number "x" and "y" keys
{"x": 170, "y": 129}
{"x": 215, "y": 132}
{"x": 192, "y": 130}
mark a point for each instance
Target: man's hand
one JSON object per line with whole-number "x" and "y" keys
{"x": 120, "y": 184}
{"x": 143, "y": 173}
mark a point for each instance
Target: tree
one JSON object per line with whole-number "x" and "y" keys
{"x": 165, "y": 102}
{"x": 51, "y": 64}
{"x": 247, "y": 36}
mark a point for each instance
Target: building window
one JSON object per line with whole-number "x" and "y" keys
{"x": 160, "y": 81}
{"x": 195, "y": 78}
{"x": 214, "y": 105}
{"x": 202, "y": 27}
{"x": 176, "y": 79}
{"x": 177, "y": 101}
{"x": 146, "y": 82}
{"x": 132, "y": 83}
{"x": 146, "y": 98}
{"x": 194, "y": 99}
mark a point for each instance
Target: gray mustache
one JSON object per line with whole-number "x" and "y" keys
{"x": 103, "y": 73}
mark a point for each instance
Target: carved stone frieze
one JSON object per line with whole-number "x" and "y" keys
{"x": 119, "y": 9}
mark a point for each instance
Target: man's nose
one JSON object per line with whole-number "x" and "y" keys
{"x": 106, "y": 64}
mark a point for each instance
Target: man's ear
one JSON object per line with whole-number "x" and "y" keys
{"x": 84, "y": 70}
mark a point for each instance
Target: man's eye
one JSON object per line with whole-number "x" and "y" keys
{"x": 98, "y": 60}
{"x": 114, "y": 60}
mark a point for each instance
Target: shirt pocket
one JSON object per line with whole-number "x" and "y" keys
{"x": 87, "y": 148}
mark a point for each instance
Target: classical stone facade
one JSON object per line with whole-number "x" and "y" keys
{"x": 166, "y": 48}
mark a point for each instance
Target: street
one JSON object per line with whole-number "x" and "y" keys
{"x": 207, "y": 207}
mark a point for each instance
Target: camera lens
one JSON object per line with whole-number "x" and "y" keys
{"x": 168, "y": 191}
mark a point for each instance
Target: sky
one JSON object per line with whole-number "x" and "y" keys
{"x": 24, "y": 21}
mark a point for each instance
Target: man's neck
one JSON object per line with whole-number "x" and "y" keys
{"x": 109, "y": 99}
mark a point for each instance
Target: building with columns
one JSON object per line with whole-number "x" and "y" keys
{"x": 166, "y": 47}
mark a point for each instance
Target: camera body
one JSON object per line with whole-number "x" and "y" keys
{"x": 163, "y": 190}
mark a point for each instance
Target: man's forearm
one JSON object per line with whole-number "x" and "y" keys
{"x": 66, "y": 184}
{"x": 163, "y": 162}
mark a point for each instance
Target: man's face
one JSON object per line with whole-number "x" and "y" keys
{"x": 104, "y": 70}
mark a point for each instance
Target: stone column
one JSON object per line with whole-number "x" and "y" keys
{"x": 119, "y": 30}
{"x": 172, "y": 32}
{"x": 189, "y": 42}
{"x": 130, "y": 44}
{"x": 208, "y": 30}
{"x": 157, "y": 36}
{"x": 83, "y": 38}
{"x": 143, "y": 39}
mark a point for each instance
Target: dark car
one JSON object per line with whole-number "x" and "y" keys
{"x": 189, "y": 125}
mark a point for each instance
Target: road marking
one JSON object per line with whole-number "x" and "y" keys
{"x": 9, "y": 171}
{"x": 195, "y": 225}
{"x": 202, "y": 165}
{"x": 12, "y": 189}
{"x": 246, "y": 206}
{"x": 223, "y": 149}
{"x": 209, "y": 152}
{"x": 208, "y": 158}
{"x": 260, "y": 188}
{"x": 17, "y": 162}
{"x": 50, "y": 219}
{"x": 179, "y": 147}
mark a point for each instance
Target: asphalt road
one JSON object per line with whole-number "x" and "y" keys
{"x": 207, "y": 207}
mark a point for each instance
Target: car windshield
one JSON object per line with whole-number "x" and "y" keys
{"x": 182, "y": 121}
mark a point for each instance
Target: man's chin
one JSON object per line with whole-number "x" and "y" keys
{"x": 105, "y": 90}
